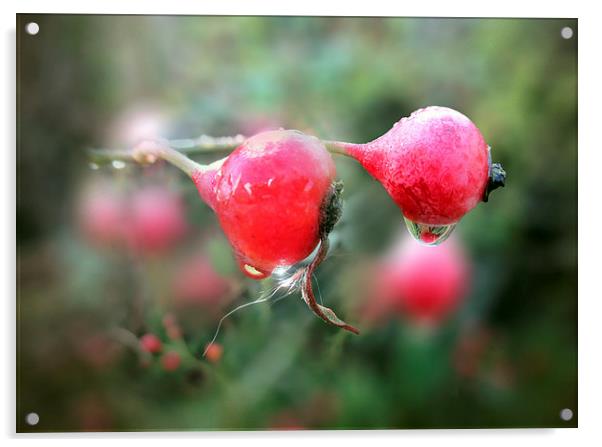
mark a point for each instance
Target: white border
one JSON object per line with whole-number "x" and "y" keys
{"x": 590, "y": 167}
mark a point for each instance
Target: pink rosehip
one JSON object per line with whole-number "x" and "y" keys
{"x": 151, "y": 343}
{"x": 156, "y": 220}
{"x": 425, "y": 284}
{"x": 197, "y": 282}
{"x": 101, "y": 216}
{"x": 434, "y": 164}
{"x": 171, "y": 361}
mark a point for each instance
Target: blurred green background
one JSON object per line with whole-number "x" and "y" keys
{"x": 96, "y": 81}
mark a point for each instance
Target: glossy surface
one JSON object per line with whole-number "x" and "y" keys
{"x": 267, "y": 195}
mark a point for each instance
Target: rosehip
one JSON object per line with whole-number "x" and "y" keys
{"x": 198, "y": 283}
{"x": 172, "y": 328}
{"x": 156, "y": 220}
{"x": 213, "y": 352}
{"x": 268, "y": 196}
{"x": 151, "y": 343}
{"x": 171, "y": 361}
{"x": 435, "y": 165}
{"x": 276, "y": 200}
{"x": 101, "y": 216}
{"x": 426, "y": 284}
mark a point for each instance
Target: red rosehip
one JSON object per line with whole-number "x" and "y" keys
{"x": 435, "y": 165}
{"x": 213, "y": 352}
{"x": 101, "y": 216}
{"x": 156, "y": 220}
{"x": 151, "y": 343}
{"x": 426, "y": 284}
{"x": 171, "y": 361}
{"x": 268, "y": 195}
{"x": 197, "y": 282}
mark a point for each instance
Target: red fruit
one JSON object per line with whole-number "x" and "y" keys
{"x": 171, "y": 361}
{"x": 426, "y": 284}
{"x": 213, "y": 352}
{"x": 156, "y": 220}
{"x": 198, "y": 283}
{"x": 268, "y": 196}
{"x": 101, "y": 216}
{"x": 151, "y": 343}
{"x": 434, "y": 164}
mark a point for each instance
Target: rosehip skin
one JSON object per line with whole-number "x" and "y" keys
{"x": 434, "y": 164}
{"x": 267, "y": 195}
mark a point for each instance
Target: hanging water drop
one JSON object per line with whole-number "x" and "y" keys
{"x": 118, "y": 164}
{"x": 251, "y": 271}
{"x": 429, "y": 234}
{"x": 93, "y": 166}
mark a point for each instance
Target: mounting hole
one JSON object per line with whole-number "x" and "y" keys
{"x": 566, "y": 414}
{"x": 32, "y": 419}
{"x": 566, "y": 32}
{"x": 32, "y": 28}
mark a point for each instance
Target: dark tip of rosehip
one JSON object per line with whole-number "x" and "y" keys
{"x": 497, "y": 178}
{"x": 332, "y": 208}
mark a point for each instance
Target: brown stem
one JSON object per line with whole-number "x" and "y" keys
{"x": 307, "y": 292}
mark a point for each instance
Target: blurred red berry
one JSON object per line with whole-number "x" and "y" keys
{"x": 174, "y": 332}
{"x": 197, "y": 282}
{"x": 171, "y": 361}
{"x": 214, "y": 352}
{"x": 151, "y": 343}
{"x": 156, "y": 220}
{"x": 425, "y": 284}
{"x": 101, "y": 216}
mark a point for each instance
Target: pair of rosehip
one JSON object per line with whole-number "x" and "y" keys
{"x": 276, "y": 197}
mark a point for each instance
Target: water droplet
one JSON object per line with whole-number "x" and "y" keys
{"x": 251, "y": 271}
{"x": 429, "y": 234}
{"x": 118, "y": 164}
{"x": 93, "y": 166}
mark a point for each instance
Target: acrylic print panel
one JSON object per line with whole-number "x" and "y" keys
{"x": 165, "y": 202}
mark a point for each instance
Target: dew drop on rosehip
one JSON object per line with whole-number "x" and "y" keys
{"x": 429, "y": 234}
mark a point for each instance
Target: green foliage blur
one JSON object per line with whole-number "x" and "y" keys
{"x": 81, "y": 307}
